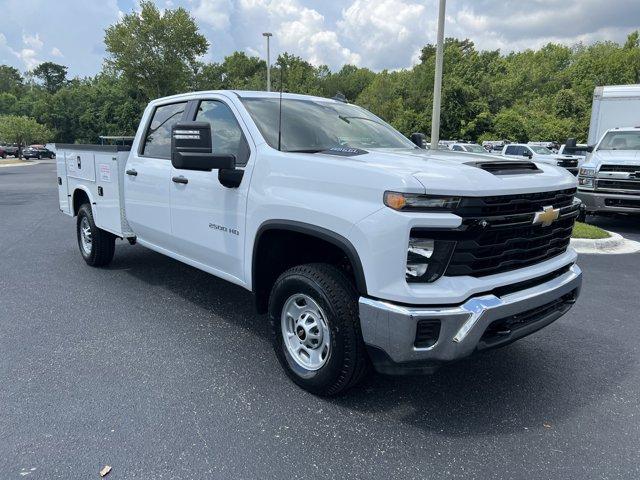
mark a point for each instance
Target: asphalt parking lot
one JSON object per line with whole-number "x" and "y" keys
{"x": 162, "y": 371}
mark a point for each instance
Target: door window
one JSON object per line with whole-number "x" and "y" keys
{"x": 512, "y": 150}
{"x": 157, "y": 141}
{"x": 226, "y": 134}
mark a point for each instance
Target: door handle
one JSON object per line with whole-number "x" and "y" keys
{"x": 180, "y": 180}
{"x": 132, "y": 172}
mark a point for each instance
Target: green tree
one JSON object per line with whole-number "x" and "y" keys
{"x": 156, "y": 51}
{"x": 52, "y": 75}
{"x": 10, "y": 79}
{"x": 23, "y": 130}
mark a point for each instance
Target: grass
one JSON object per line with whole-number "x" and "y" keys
{"x": 582, "y": 230}
{"x": 10, "y": 160}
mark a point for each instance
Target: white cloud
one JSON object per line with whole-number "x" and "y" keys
{"x": 55, "y": 51}
{"x": 216, "y": 13}
{"x": 29, "y": 58}
{"x": 387, "y": 32}
{"x": 33, "y": 41}
{"x": 298, "y": 29}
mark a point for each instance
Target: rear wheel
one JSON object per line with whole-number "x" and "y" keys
{"x": 96, "y": 245}
{"x": 315, "y": 325}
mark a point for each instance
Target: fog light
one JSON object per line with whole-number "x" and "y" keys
{"x": 427, "y": 259}
{"x": 585, "y": 182}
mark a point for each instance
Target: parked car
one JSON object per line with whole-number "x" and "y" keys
{"x": 541, "y": 155}
{"x": 37, "y": 151}
{"x": 3, "y": 152}
{"x": 359, "y": 245}
{"x": 10, "y": 149}
{"x": 609, "y": 180}
{"x": 467, "y": 147}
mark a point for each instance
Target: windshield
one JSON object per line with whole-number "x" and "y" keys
{"x": 475, "y": 149}
{"x": 315, "y": 125}
{"x": 540, "y": 150}
{"x": 620, "y": 141}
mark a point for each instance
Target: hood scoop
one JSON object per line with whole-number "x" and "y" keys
{"x": 506, "y": 167}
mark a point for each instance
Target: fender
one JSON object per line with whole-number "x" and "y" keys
{"x": 314, "y": 231}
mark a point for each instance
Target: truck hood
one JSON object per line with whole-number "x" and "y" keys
{"x": 444, "y": 172}
{"x": 616, "y": 157}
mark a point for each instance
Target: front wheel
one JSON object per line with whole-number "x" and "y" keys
{"x": 315, "y": 325}
{"x": 96, "y": 245}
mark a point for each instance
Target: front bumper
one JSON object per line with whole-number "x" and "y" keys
{"x": 487, "y": 321}
{"x": 597, "y": 201}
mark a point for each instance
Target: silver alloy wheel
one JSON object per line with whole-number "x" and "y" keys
{"x": 305, "y": 331}
{"x": 85, "y": 235}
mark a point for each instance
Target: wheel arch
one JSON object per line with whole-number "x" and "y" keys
{"x": 314, "y": 232}
{"x": 80, "y": 193}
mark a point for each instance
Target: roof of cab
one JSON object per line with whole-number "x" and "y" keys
{"x": 243, "y": 94}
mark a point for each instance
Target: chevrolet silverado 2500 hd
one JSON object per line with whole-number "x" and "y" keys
{"x": 361, "y": 247}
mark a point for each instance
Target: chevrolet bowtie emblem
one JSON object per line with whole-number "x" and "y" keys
{"x": 546, "y": 217}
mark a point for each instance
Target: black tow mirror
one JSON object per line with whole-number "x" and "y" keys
{"x": 191, "y": 148}
{"x": 527, "y": 154}
{"x": 590, "y": 148}
{"x": 420, "y": 139}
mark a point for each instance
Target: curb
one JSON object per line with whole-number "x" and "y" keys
{"x": 615, "y": 244}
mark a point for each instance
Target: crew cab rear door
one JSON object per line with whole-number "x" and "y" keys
{"x": 147, "y": 178}
{"x": 208, "y": 218}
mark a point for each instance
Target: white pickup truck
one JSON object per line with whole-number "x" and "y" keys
{"x": 362, "y": 247}
{"x": 540, "y": 154}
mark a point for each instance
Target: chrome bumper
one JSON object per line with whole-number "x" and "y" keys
{"x": 595, "y": 201}
{"x": 389, "y": 330}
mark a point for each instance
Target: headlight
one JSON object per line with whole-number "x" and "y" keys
{"x": 587, "y": 172}
{"x": 427, "y": 259}
{"x": 417, "y": 202}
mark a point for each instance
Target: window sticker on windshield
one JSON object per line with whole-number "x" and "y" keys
{"x": 345, "y": 151}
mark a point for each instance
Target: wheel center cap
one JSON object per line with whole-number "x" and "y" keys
{"x": 301, "y": 333}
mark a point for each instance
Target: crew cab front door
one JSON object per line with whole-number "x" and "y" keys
{"x": 147, "y": 178}
{"x": 207, "y": 218}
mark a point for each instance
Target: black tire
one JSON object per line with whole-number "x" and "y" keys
{"x": 102, "y": 245}
{"x": 347, "y": 362}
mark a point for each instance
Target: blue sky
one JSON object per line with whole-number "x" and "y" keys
{"x": 377, "y": 34}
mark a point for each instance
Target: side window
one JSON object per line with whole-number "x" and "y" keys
{"x": 457, "y": 148}
{"x": 226, "y": 134}
{"x": 526, "y": 150}
{"x": 157, "y": 142}
{"x": 511, "y": 151}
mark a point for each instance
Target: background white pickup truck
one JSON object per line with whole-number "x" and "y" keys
{"x": 537, "y": 153}
{"x": 363, "y": 248}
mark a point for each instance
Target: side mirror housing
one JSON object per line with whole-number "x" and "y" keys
{"x": 527, "y": 154}
{"x": 420, "y": 139}
{"x": 191, "y": 148}
{"x": 590, "y": 148}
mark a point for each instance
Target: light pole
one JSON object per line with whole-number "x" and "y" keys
{"x": 437, "y": 81}
{"x": 267, "y": 35}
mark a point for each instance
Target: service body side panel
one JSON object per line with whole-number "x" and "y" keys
{"x": 97, "y": 171}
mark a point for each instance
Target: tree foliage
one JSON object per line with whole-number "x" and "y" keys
{"x": 52, "y": 75}
{"x": 155, "y": 51}
{"x": 22, "y": 130}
